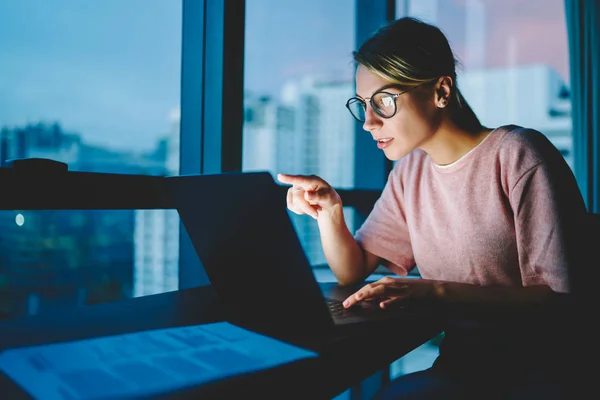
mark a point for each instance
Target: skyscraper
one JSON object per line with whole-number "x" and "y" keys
{"x": 156, "y": 233}
{"x": 307, "y": 131}
{"x": 533, "y": 96}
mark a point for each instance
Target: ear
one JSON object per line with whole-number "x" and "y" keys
{"x": 443, "y": 90}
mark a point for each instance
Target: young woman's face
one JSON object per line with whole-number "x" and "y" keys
{"x": 416, "y": 120}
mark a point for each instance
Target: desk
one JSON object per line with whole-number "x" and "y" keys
{"x": 339, "y": 366}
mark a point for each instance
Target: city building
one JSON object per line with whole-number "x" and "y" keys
{"x": 51, "y": 259}
{"x": 306, "y": 131}
{"x": 156, "y": 232}
{"x": 533, "y": 96}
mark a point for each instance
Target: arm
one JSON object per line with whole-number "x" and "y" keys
{"x": 348, "y": 261}
{"x": 390, "y": 290}
{"x": 548, "y": 212}
{"x": 503, "y": 296}
{"x": 313, "y": 196}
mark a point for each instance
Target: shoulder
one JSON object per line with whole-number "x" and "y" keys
{"x": 526, "y": 142}
{"x": 524, "y": 148}
{"x": 525, "y": 154}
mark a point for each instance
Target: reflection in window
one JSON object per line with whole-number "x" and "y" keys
{"x": 95, "y": 85}
{"x": 295, "y": 116}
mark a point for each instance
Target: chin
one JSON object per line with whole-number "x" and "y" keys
{"x": 394, "y": 155}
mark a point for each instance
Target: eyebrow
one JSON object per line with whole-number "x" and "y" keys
{"x": 394, "y": 85}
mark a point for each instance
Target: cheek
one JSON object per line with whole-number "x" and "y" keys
{"x": 424, "y": 118}
{"x": 410, "y": 123}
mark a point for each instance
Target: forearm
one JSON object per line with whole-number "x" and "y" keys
{"x": 342, "y": 252}
{"x": 509, "y": 296}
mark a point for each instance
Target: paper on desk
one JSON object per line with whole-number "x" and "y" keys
{"x": 144, "y": 363}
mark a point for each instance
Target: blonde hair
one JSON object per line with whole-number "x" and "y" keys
{"x": 410, "y": 52}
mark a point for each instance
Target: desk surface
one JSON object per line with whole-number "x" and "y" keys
{"x": 340, "y": 365}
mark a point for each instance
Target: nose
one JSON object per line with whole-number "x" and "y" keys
{"x": 372, "y": 120}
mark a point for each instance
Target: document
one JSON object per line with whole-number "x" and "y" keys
{"x": 144, "y": 363}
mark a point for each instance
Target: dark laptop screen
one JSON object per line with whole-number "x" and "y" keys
{"x": 240, "y": 228}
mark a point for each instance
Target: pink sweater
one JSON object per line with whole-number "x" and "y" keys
{"x": 494, "y": 217}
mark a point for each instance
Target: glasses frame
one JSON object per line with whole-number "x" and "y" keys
{"x": 394, "y": 96}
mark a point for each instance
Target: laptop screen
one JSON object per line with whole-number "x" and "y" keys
{"x": 245, "y": 240}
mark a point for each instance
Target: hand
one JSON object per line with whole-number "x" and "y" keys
{"x": 309, "y": 194}
{"x": 390, "y": 291}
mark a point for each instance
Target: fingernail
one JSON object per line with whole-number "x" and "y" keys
{"x": 346, "y": 303}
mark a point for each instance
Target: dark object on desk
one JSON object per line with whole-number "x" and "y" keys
{"x": 36, "y": 166}
{"x": 42, "y": 184}
{"x": 587, "y": 274}
{"x": 243, "y": 235}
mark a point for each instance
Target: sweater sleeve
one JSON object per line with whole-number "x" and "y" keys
{"x": 385, "y": 231}
{"x": 548, "y": 209}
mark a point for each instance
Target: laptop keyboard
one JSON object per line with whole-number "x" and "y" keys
{"x": 362, "y": 309}
{"x": 337, "y": 308}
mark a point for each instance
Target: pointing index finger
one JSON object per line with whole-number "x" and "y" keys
{"x": 305, "y": 182}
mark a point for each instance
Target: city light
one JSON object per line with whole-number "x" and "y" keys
{"x": 20, "y": 219}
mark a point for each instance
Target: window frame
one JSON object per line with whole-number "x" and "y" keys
{"x": 212, "y": 64}
{"x": 209, "y": 27}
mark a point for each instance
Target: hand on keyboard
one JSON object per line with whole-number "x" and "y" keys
{"x": 390, "y": 291}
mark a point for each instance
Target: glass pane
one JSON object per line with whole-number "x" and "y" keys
{"x": 295, "y": 95}
{"x": 514, "y": 56}
{"x": 95, "y": 84}
{"x": 52, "y": 259}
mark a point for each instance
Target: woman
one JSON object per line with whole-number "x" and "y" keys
{"x": 488, "y": 216}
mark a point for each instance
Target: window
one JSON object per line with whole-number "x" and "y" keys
{"x": 63, "y": 258}
{"x": 294, "y": 96}
{"x": 95, "y": 85}
{"x": 514, "y": 56}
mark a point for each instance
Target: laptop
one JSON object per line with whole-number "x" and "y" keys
{"x": 241, "y": 230}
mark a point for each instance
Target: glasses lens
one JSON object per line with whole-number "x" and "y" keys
{"x": 384, "y": 104}
{"x": 357, "y": 108}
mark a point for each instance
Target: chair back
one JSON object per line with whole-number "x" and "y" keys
{"x": 587, "y": 273}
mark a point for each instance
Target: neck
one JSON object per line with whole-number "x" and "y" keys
{"x": 450, "y": 142}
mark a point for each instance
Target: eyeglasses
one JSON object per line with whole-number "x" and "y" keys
{"x": 383, "y": 103}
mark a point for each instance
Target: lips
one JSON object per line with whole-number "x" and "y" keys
{"x": 382, "y": 143}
